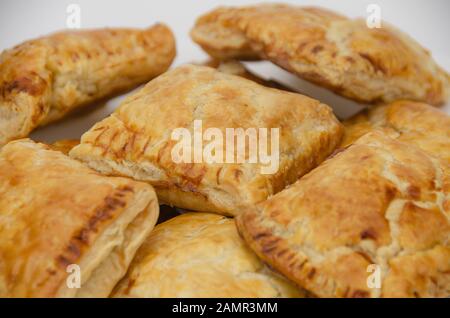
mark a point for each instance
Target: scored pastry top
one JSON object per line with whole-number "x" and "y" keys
{"x": 136, "y": 140}
{"x": 379, "y": 202}
{"x": 43, "y": 79}
{"x": 344, "y": 55}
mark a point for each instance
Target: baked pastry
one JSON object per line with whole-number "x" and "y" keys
{"x": 64, "y": 145}
{"x": 378, "y": 211}
{"x": 43, "y": 79}
{"x": 137, "y": 139}
{"x": 55, "y": 212}
{"x": 411, "y": 122}
{"x": 344, "y": 55}
{"x": 200, "y": 255}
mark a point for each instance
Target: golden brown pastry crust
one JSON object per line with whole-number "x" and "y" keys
{"x": 54, "y": 211}
{"x": 43, "y": 79}
{"x": 369, "y": 65}
{"x": 411, "y": 122}
{"x": 135, "y": 140}
{"x": 378, "y": 202}
{"x": 200, "y": 255}
{"x": 64, "y": 145}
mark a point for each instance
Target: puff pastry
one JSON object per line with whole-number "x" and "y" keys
{"x": 344, "y": 55}
{"x": 412, "y": 122}
{"x": 55, "y": 212}
{"x": 135, "y": 141}
{"x": 43, "y": 79}
{"x": 380, "y": 202}
{"x": 200, "y": 255}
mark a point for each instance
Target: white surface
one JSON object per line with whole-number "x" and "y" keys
{"x": 426, "y": 21}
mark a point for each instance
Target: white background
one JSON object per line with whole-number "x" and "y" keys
{"x": 426, "y": 20}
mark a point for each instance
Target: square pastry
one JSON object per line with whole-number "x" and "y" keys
{"x": 241, "y": 142}
{"x": 66, "y": 231}
{"x": 200, "y": 255}
{"x": 372, "y": 221}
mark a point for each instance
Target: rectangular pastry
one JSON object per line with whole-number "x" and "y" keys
{"x": 228, "y": 67}
{"x": 372, "y": 221}
{"x": 197, "y": 255}
{"x": 411, "y": 122}
{"x": 328, "y": 49}
{"x": 66, "y": 230}
{"x": 235, "y": 67}
{"x": 42, "y": 80}
{"x": 137, "y": 139}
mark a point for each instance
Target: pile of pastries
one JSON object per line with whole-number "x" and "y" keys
{"x": 371, "y": 190}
